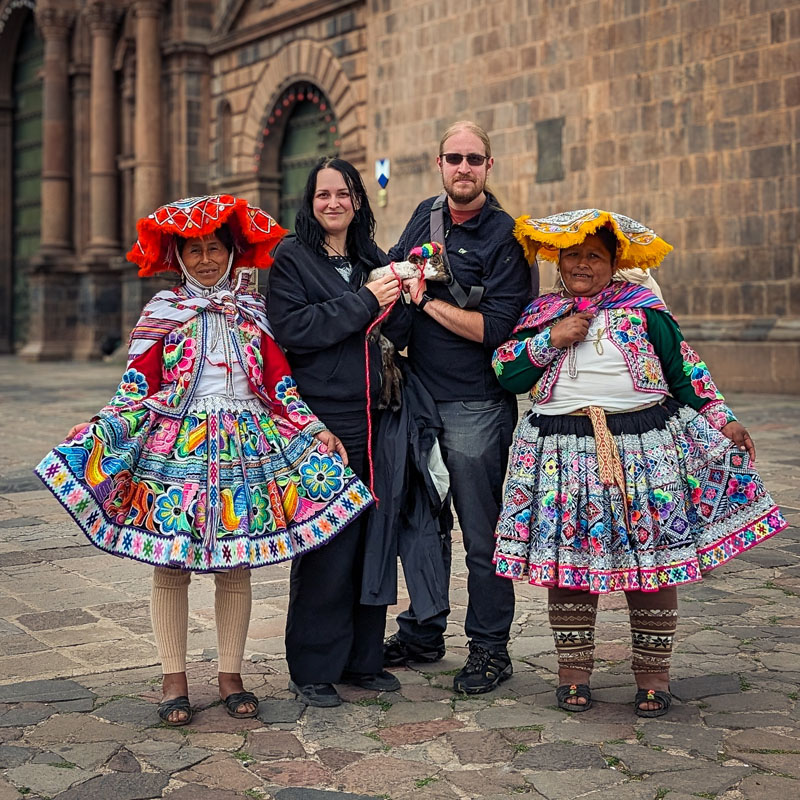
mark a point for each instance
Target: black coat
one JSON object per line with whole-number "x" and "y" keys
{"x": 320, "y": 321}
{"x": 410, "y": 519}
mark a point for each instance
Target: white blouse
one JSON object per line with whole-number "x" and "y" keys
{"x": 601, "y": 377}
{"x": 221, "y": 373}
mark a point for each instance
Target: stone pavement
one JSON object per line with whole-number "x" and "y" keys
{"x": 79, "y": 675}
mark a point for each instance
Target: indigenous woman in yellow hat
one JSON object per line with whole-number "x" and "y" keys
{"x": 206, "y": 459}
{"x": 629, "y": 473}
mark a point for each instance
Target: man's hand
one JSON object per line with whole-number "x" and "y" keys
{"x": 570, "y": 330}
{"x": 738, "y": 434}
{"x": 415, "y": 288}
{"x": 385, "y": 289}
{"x": 75, "y": 430}
{"x": 331, "y": 444}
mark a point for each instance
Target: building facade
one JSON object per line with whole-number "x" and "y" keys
{"x": 685, "y": 115}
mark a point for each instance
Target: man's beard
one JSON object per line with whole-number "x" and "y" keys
{"x": 462, "y": 194}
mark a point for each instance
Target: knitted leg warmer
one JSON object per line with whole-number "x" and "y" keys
{"x": 654, "y": 619}
{"x": 169, "y": 611}
{"x": 232, "y": 603}
{"x": 572, "y": 618}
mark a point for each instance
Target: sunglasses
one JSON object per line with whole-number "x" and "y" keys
{"x": 473, "y": 159}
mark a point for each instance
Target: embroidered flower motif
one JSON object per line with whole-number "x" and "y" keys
{"x": 252, "y": 354}
{"x": 132, "y": 388}
{"x": 694, "y": 488}
{"x": 321, "y": 477}
{"x": 169, "y": 511}
{"x": 260, "y": 512}
{"x": 287, "y": 395}
{"x": 178, "y": 389}
{"x": 698, "y": 374}
{"x": 662, "y": 503}
{"x": 163, "y": 439}
{"x": 741, "y": 488}
{"x": 509, "y": 351}
{"x": 179, "y": 353}
{"x": 522, "y": 524}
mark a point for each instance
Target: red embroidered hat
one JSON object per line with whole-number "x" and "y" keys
{"x": 255, "y": 233}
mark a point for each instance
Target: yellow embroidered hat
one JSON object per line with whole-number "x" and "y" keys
{"x": 638, "y": 245}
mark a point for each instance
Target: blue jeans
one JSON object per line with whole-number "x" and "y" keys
{"x": 475, "y": 443}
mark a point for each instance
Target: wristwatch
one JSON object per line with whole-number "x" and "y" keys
{"x": 425, "y": 299}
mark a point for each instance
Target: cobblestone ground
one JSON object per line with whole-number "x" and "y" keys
{"x": 79, "y": 679}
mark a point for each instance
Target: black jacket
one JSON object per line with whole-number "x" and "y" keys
{"x": 410, "y": 519}
{"x": 481, "y": 251}
{"x": 320, "y": 320}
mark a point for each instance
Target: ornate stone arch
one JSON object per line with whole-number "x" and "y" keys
{"x": 302, "y": 60}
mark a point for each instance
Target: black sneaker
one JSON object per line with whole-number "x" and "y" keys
{"x": 382, "y": 681}
{"x": 398, "y": 653}
{"x": 320, "y": 695}
{"x": 484, "y": 670}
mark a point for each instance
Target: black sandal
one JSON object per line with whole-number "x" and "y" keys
{"x": 167, "y": 707}
{"x": 573, "y": 690}
{"x": 652, "y": 696}
{"x": 233, "y": 701}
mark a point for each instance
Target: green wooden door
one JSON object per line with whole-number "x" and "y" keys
{"x": 310, "y": 133}
{"x": 27, "y": 160}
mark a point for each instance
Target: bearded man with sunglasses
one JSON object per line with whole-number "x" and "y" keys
{"x": 453, "y": 331}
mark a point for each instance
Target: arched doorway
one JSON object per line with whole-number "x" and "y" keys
{"x": 308, "y": 130}
{"x": 27, "y": 169}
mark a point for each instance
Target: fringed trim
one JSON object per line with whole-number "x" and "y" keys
{"x": 545, "y": 238}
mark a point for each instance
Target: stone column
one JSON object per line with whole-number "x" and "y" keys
{"x": 56, "y": 238}
{"x": 52, "y": 283}
{"x": 149, "y": 168}
{"x": 103, "y": 213}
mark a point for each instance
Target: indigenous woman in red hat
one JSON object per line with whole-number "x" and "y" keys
{"x": 629, "y": 473}
{"x": 206, "y": 459}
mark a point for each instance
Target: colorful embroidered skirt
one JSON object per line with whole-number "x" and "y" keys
{"x": 694, "y": 501}
{"x": 228, "y": 485}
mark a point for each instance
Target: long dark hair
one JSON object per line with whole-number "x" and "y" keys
{"x": 361, "y": 231}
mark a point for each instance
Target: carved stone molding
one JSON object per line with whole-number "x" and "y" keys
{"x": 147, "y": 8}
{"x": 54, "y": 23}
{"x": 101, "y": 16}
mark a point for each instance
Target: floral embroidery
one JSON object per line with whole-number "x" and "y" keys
{"x": 163, "y": 440}
{"x": 508, "y": 351}
{"x": 321, "y": 477}
{"x": 169, "y": 511}
{"x": 252, "y": 354}
{"x": 132, "y": 388}
{"x": 179, "y": 353}
{"x": 741, "y": 488}
{"x": 698, "y": 374}
{"x": 540, "y": 351}
{"x": 260, "y": 511}
{"x": 287, "y": 395}
{"x": 718, "y": 414}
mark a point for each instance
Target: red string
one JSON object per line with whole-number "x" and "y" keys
{"x": 377, "y": 321}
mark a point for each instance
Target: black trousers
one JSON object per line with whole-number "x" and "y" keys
{"x": 327, "y": 629}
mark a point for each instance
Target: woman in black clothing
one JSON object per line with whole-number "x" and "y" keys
{"x": 320, "y": 306}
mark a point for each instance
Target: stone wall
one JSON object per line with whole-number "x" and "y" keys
{"x": 684, "y": 115}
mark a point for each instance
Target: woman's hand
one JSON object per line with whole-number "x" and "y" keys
{"x": 415, "y": 288}
{"x": 570, "y": 330}
{"x": 331, "y": 443}
{"x": 75, "y": 430}
{"x": 385, "y": 289}
{"x": 738, "y": 434}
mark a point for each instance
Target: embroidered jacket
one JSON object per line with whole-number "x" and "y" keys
{"x": 168, "y": 349}
{"x": 659, "y": 360}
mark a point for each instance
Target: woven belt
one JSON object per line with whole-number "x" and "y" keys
{"x": 609, "y": 464}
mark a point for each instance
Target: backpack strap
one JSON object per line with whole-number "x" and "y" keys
{"x": 463, "y": 299}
